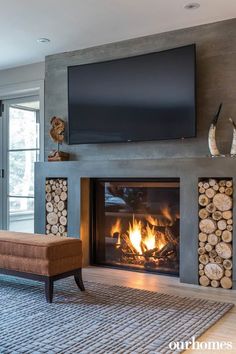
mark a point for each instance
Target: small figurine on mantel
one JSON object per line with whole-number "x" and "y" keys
{"x": 57, "y": 135}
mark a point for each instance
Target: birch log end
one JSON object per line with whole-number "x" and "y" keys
{"x": 207, "y": 226}
{"x": 214, "y": 271}
{"x": 204, "y": 281}
{"x": 224, "y": 250}
{"x": 222, "y": 202}
{"x": 226, "y": 283}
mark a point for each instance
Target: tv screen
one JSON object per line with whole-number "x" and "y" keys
{"x": 142, "y": 98}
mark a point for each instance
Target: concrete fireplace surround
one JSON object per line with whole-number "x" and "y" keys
{"x": 188, "y": 170}
{"x": 215, "y": 57}
{"x": 216, "y": 72}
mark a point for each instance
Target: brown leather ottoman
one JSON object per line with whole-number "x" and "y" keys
{"x": 41, "y": 257}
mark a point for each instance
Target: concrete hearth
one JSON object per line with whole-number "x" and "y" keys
{"x": 188, "y": 170}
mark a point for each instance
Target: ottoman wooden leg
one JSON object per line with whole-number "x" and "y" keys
{"x": 49, "y": 289}
{"x": 79, "y": 280}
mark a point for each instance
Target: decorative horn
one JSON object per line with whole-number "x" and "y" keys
{"x": 233, "y": 146}
{"x": 212, "y": 134}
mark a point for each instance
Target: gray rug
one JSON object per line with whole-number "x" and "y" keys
{"x": 103, "y": 320}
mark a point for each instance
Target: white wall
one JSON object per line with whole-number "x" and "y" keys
{"x": 20, "y": 74}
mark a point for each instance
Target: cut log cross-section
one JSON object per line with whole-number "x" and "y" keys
{"x": 224, "y": 250}
{"x": 226, "y": 236}
{"x": 204, "y": 280}
{"x": 207, "y": 226}
{"x": 222, "y": 224}
{"x": 214, "y": 271}
{"x": 215, "y": 283}
{"x": 227, "y": 214}
{"x": 210, "y": 192}
{"x": 204, "y": 259}
{"x": 227, "y": 264}
{"x": 203, "y": 213}
{"x": 222, "y": 202}
{"x": 203, "y": 200}
{"x": 226, "y": 283}
{"x": 217, "y": 215}
{"x": 212, "y": 239}
{"x": 202, "y": 237}
{"x": 211, "y": 208}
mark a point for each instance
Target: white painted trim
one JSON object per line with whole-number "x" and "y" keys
{"x": 11, "y": 91}
{"x": 41, "y": 119}
{"x": 20, "y": 89}
{"x": 5, "y": 193}
{"x": 25, "y": 89}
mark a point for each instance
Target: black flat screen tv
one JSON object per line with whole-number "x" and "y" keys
{"x": 141, "y": 98}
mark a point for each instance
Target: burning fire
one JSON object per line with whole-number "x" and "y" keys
{"x": 135, "y": 234}
{"x": 116, "y": 228}
{"x": 156, "y": 222}
{"x": 143, "y": 238}
{"x": 152, "y": 220}
{"x": 150, "y": 240}
{"x": 161, "y": 240}
{"x": 165, "y": 219}
{"x": 147, "y": 241}
{"x": 166, "y": 213}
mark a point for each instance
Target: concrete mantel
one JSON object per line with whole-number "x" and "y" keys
{"x": 128, "y": 168}
{"x": 188, "y": 170}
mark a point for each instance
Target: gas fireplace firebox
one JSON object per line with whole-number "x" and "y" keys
{"x": 135, "y": 224}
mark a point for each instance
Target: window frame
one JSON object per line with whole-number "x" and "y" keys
{"x": 15, "y": 102}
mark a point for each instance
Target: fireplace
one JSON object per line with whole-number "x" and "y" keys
{"x": 135, "y": 224}
{"x": 88, "y": 217}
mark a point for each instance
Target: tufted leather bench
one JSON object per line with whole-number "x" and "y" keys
{"x": 41, "y": 257}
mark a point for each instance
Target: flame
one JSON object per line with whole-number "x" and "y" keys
{"x": 150, "y": 239}
{"x": 135, "y": 234}
{"x": 144, "y": 237}
{"x": 154, "y": 222}
{"x": 166, "y": 213}
{"x": 160, "y": 240}
{"x": 118, "y": 241}
{"x": 116, "y": 227}
{"x": 153, "y": 238}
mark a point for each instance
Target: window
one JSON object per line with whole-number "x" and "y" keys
{"x": 23, "y": 151}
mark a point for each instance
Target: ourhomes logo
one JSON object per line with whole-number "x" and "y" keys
{"x": 195, "y": 345}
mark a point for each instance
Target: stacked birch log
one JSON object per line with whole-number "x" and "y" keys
{"x": 215, "y": 236}
{"x": 56, "y": 206}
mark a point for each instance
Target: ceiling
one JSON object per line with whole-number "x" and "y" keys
{"x": 76, "y": 24}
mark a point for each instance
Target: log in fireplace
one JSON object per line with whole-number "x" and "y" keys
{"x": 135, "y": 224}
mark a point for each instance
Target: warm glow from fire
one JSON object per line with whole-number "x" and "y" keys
{"x": 116, "y": 227}
{"x": 135, "y": 234}
{"x": 150, "y": 239}
{"x": 155, "y": 222}
{"x": 160, "y": 240}
{"x": 166, "y": 213}
{"x": 152, "y": 220}
{"x": 144, "y": 237}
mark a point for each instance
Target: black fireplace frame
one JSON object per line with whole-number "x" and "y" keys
{"x": 92, "y": 223}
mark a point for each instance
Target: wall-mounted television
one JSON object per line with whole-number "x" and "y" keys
{"x": 140, "y": 98}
